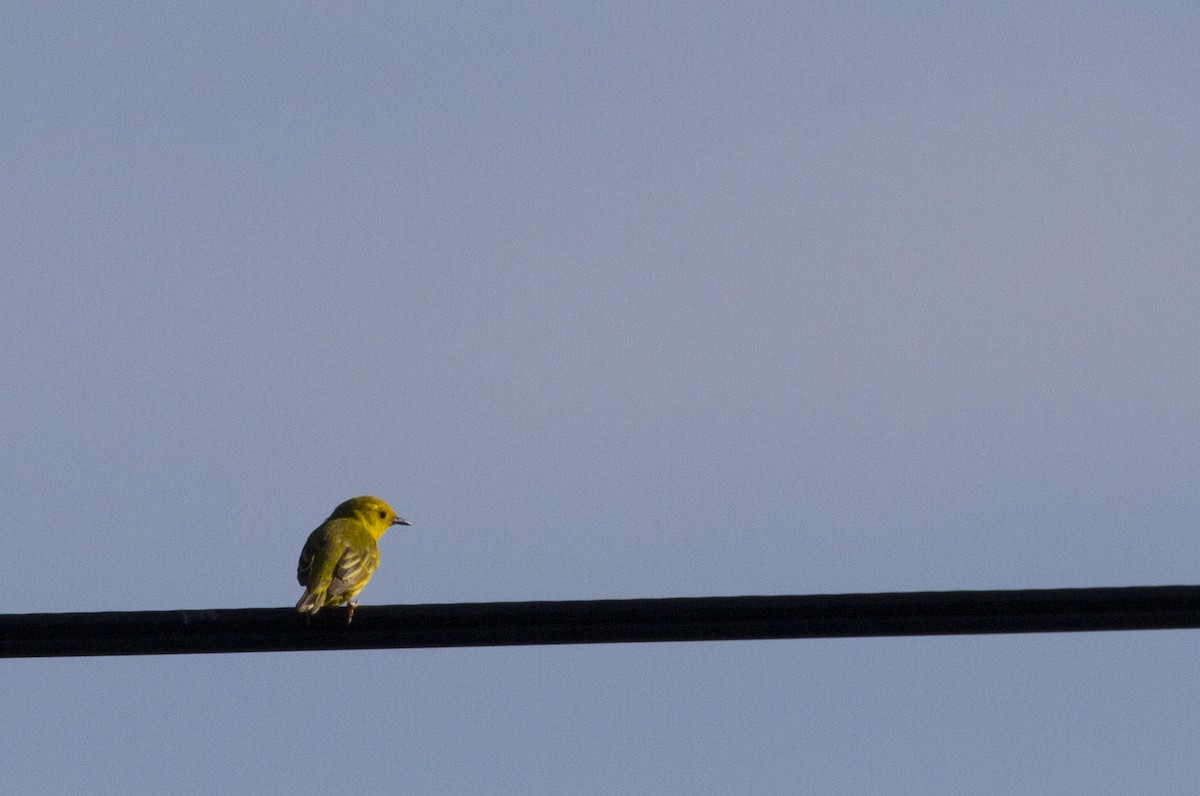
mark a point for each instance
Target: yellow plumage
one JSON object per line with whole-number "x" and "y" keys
{"x": 342, "y": 554}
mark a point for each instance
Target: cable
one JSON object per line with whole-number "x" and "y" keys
{"x": 602, "y": 621}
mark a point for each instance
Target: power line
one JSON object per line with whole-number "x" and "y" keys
{"x": 602, "y": 621}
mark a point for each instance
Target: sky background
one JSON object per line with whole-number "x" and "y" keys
{"x": 612, "y": 301}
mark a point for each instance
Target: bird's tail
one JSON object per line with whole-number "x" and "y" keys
{"x": 310, "y": 602}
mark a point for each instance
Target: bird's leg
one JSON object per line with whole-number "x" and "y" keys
{"x": 350, "y": 606}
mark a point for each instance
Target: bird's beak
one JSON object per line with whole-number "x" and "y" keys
{"x": 400, "y": 521}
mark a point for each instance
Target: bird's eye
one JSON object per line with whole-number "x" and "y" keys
{"x": 382, "y": 514}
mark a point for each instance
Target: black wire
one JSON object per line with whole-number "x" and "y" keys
{"x": 602, "y": 621}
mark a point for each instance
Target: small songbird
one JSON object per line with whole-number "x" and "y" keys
{"x": 342, "y": 553}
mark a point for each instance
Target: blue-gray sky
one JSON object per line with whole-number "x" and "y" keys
{"x": 611, "y": 300}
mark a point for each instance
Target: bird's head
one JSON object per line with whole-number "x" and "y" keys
{"x": 372, "y": 512}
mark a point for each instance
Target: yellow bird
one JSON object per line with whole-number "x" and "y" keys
{"x": 342, "y": 554}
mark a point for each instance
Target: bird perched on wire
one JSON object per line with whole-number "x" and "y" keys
{"x": 342, "y": 554}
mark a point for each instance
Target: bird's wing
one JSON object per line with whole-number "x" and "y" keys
{"x": 354, "y": 568}
{"x": 304, "y": 569}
